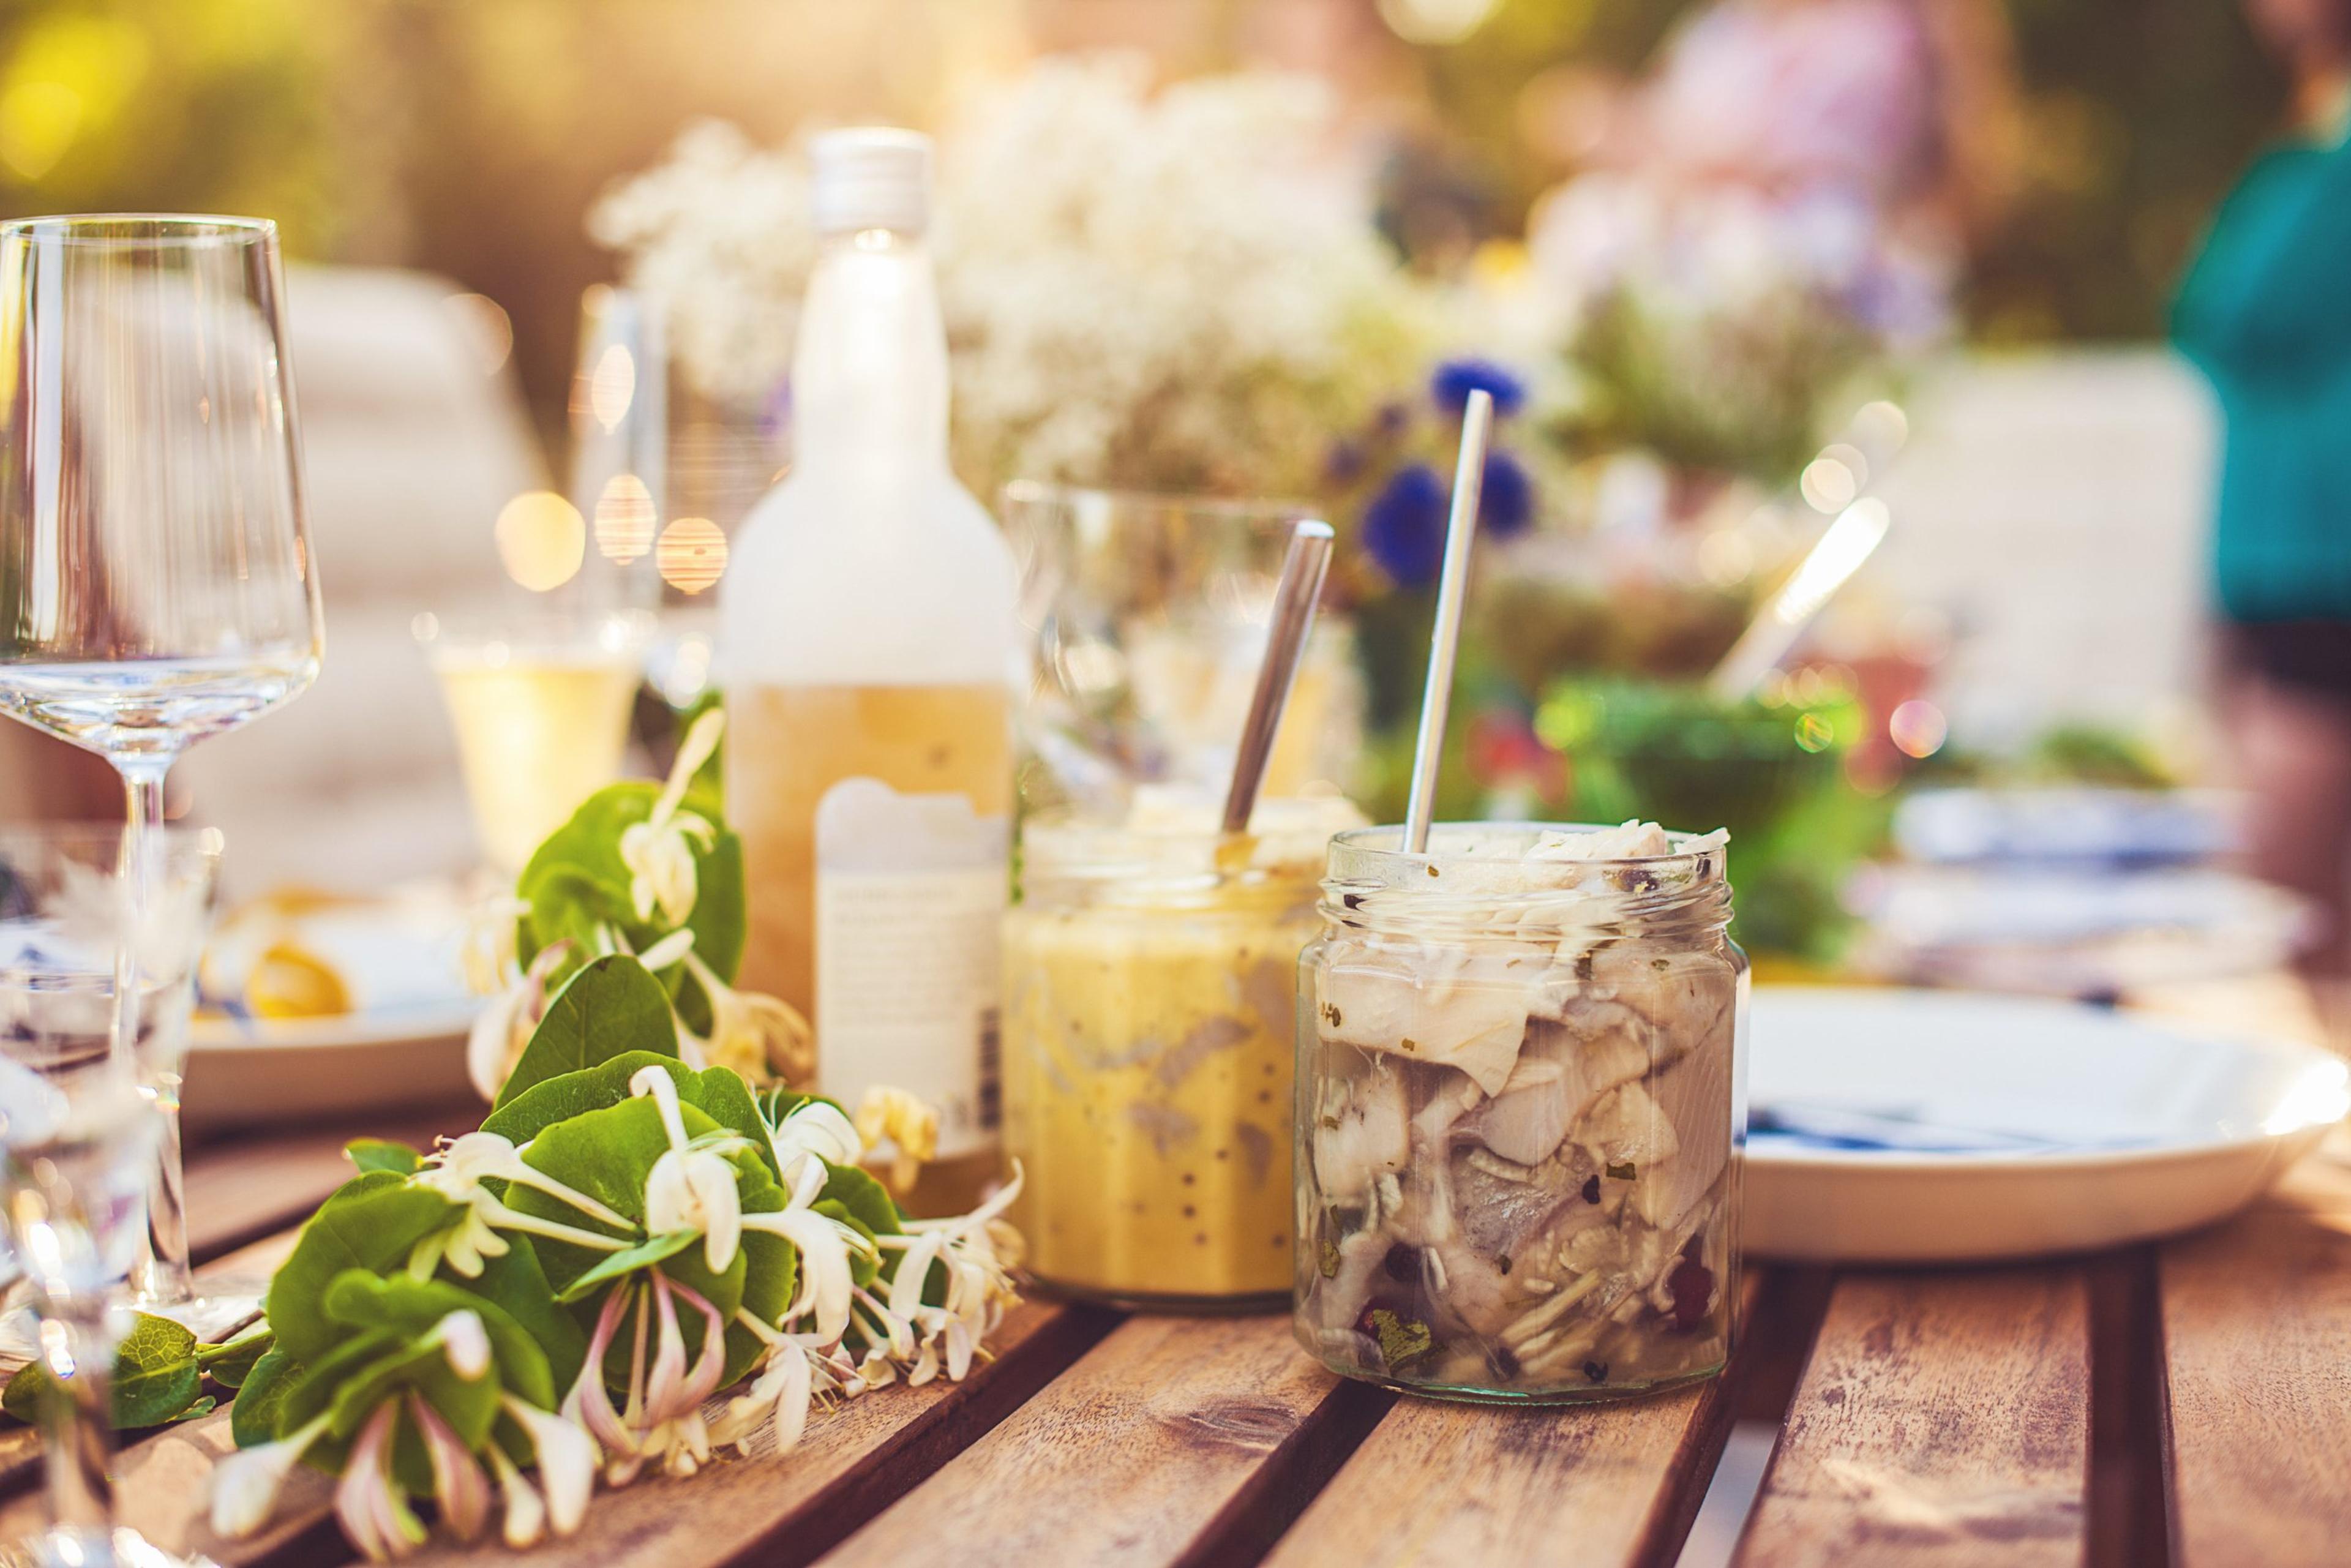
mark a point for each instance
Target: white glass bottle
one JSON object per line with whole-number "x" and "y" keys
{"x": 866, "y": 639}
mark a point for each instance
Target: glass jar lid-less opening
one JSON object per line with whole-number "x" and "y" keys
{"x": 1171, "y": 853}
{"x": 1488, "y": 879}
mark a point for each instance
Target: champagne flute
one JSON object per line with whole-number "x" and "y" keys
{"x": 80, "y": 1125}
{"x": 156, "y": 579}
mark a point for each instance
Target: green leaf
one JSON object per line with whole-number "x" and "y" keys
{"x": 864, "y": 1197}
{"x": 616, "y": 1264}
{"x": 155, "y": 1377}
{"x": 517, "y": 1284}
{"x": 383, "y": 1154}
{"x": 230, "y": 1363}
{"x": 526, "y": 1116}
{"x": 253, "y": 1417}
{"x": 372, "y": 1222}
{"x": 609, "y": 1009}
{"x": 576, "y": 881}
{"x": 203, "y": 1406}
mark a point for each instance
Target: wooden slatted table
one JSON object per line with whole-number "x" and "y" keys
{"x": 2188, "y": 1402}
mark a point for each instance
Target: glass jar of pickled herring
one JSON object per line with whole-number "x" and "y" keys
{"x": 1149, "y": 1028}
{"x": 1521, "y": 1094}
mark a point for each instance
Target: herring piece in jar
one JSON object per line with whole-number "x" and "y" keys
{"x": 1562, "y": 1223}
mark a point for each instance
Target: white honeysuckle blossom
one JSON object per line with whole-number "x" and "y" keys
{"x": 503, "y": 1028}
{"x": 659, "y": 851}
{"x": 488, "y": 949}
{"x": 457, "y": 1170}
{"x": 764, "y": 1038}
{"x": 692, "y": 1185}
{"x": 245, "y": 1486}
{"x": 908, "y": 1123}
{"x": 463, "y": 1339}
{"x": 815, "y": 1130}
{"x": 525, "y": 1517}
{"x": 567, "y": 1460}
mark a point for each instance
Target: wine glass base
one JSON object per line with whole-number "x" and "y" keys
{"x": 122, "y": 1548}
{"x": 223, "y": 1307}
{"x": 226, "y": 1306}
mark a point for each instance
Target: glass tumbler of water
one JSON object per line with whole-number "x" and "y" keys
{"x": 81, "y": 1120}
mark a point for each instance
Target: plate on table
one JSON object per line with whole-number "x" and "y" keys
{"x": 1909, "y": 1126}
{"x": 321, "y": 1006}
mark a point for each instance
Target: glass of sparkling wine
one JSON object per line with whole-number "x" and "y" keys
{"x": 81, "y": 1120}
{"x": 541, "y": 704}
{"x": 156, "y": 579}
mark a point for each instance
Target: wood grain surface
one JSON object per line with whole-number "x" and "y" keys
{"x": 2257, "y": 1349}
{"x": 1438, "y": 1483}
{"x": 1136, "y": 1455}
{"x": 1944, "y": 1421}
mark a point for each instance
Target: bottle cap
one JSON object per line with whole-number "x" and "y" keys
{"x": 871, "y": 177}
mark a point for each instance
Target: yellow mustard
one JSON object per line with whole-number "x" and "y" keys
{"x": 1150, "y": 1019}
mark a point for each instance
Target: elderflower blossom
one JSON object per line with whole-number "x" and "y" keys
{"x": 1167, "y": 290}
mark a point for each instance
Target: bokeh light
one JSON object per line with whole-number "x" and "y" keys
{"x": 1918, "y": 728}
{"x": 624, "y": 518}
{"x": 542, "y": 539}
{"x": 691, "y": 555}
{"x": 1435, "y": 21}
{"x": 612, "y": 386}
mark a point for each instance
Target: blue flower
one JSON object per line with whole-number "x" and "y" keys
{"x": 1403, "y": 526}
{"x": 1507, "y": 504}
{"x": 1343, "y": 463}
{"x": 1455, "y": 379}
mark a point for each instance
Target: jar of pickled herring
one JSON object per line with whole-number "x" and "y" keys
{"x": 1520, "y": 1091}
{"x": 1149, "y": 1028}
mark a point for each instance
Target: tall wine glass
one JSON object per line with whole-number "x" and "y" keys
{"x": 156, "y": 581}
{"x": 80, "y": 1125}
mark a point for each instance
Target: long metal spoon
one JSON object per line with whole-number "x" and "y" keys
{"x": 1294, "y": 601}
{"x": 1444, "y": 637}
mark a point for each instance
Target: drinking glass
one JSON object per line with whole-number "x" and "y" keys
{"x": 1148, "y": 616}
{"x": 156, "y": 579}
{"x": 81, "y": 1120}
{"x": 541, "y": 704}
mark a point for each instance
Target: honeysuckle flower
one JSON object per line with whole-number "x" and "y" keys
{"x": 487, "y": 951}
{"x": 692, "y": 1185}
{"x": 567, "y": 1460}
{"x": 659, "y": 851}
{"x": 465, "y": 1342}
{"x": 245, "y": 1486}
{"x": 588, "y": 1405}
{"x": 459, "y": 1487}
{"x": 826, "y": 1284}
{"x": 765, "y": 1039}
{"x": 815, "y": 1130}
{"x": 977, "y": 1251}
{"x": 457, "y": 1170}
{"x": 503, "y": 1028}
{"x": 526, "y": 1520}
{"x": 372, "y": 1504}
{"x": 894, "y": 1116}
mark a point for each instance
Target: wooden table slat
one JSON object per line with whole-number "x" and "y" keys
{"x": 1944, "y": 1419}
{"x": 1441, "y": 1483}
{"x": 2257, "y": 1351}
{"x": 1148, "y": 1451}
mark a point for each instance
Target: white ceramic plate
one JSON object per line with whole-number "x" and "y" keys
{"x": 1941, "y": 1126}
{"x": 245, "y": 1073}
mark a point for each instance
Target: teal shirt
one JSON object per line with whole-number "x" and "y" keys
{"x": 2265, "y": 313}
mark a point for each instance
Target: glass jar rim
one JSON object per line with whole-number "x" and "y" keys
{"x": 155, "y": 231}
{"x": 1288, "y": 845}
{"x": 1472, "y": 888}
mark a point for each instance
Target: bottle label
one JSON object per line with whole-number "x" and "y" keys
{"x": 909, "y": 893}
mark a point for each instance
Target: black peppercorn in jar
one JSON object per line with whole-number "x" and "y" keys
{"x": 1521, "y": 1092}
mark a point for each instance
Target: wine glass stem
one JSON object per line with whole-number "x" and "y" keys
{"x": 160, "y": 1275}
{"x": 78, "y": 1421}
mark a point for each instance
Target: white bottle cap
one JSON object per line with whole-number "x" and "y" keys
{"x": 871, "y": 177}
